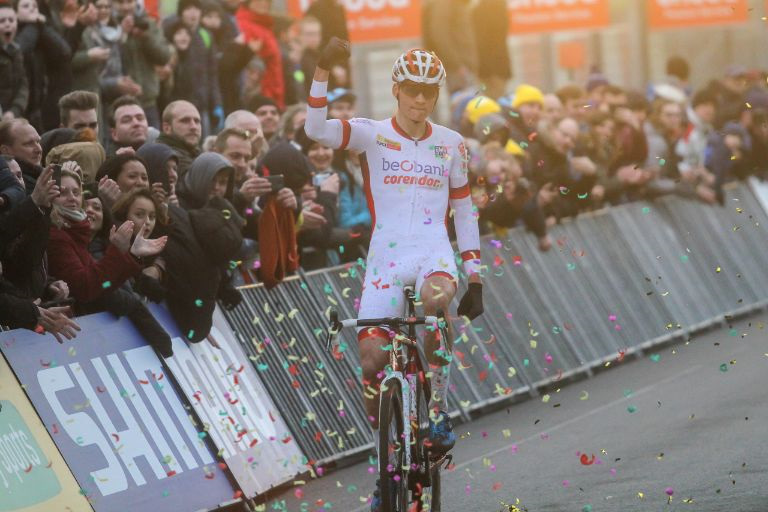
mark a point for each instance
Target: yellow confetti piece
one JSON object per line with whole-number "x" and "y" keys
{"x": 292, "y": 313}
{"x": 534, "y": 344}
{"x": 718, "y": 269}
{"x": 545, "y": 399}
{"x": 584, "y": 396}
{"x": 345, "y": 292}
{"x": 464, "y": 403}
{"x": 507, "y": 433}
{"x": 640, "y": 495}
{"x": 511, "y": 372}
{"x": 279, "y": 318}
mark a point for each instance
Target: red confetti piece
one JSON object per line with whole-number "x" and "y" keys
{"x": 318, "y": 436}
{"x": 49, "y": 465}
{"x": 171, "y": 473}
{"x": 271, "y": 417}
{"x": 287, "y": 439}
{"x": 293, "y": 370}
{"x": 143, "y": 381}
{"x": 117, "y": 438}
{"x": 233, "y": 402}
{"x": 586, "y": 461}
{"x": 28, "y": 469}
{"x": 482, "y": 376}
{"x": 55, "y": 428}
{"x": 223, "y": 466}
{"x": 210, "y": 476}
{"x": 45, "y": 364}
{"x": 253, "y": 443}
{"x": 39, "y": 329}
{"x": 100, "y": 389}
{"x": 296, "y": 384}
{"x": 238, "y": 494}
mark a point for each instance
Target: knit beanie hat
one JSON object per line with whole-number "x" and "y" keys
{"x": 527, "y": 94}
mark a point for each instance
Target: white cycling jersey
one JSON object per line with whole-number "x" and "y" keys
{"x": 412, "y": 187}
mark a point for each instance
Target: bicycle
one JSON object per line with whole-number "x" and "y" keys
{"x": 406, "y": 465}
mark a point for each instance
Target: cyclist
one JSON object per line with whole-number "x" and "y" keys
{"x": 415, "y": 177}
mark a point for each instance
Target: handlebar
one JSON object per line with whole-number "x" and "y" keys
{"x": 336, "y": 325}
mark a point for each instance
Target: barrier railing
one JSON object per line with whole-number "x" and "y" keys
{"x": 615, "y": 282}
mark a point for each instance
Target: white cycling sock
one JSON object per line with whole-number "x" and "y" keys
{"x": 439, "y": 382}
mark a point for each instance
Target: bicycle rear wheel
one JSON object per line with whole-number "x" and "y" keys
{"x": 392, "y": 477}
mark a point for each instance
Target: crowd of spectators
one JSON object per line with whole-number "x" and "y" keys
{"x": 146, "y": 159}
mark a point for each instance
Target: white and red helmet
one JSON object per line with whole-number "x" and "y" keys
{"x": 420, "y": 66}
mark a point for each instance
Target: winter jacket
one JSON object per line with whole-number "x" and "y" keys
{"x": 14, "y": 88}
{"x": 258, "y": 27}
{"x": 99, "y": 77}
{"x": 196, "y": 73}
{"x": 44, "y": 52}
{"x": 87, "y": 278}
{"x": 15, "y": 312}
{"x": 25, "y": 263}
{"x": 140, "y": 55}
{"x": 193, "y": 282}
{"x": 184, "y": 152}
{"x": 193, "y": 188}
{"x": 19, "y": 219}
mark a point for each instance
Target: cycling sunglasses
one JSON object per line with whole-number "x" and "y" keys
{"x": 413, "y": 89}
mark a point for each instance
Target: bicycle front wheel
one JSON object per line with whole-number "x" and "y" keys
{"x": 392, "y": 477}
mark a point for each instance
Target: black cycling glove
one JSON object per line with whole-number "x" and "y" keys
{"x": 471, "y": 304}
{"x": 335, "y": 52}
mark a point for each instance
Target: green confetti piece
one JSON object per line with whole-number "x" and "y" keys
{"x": 106, "y": 284}
{"x": 327, "y": 288}
{"x": 341, "y": 249}
{"x": 631, "y": 409}
{"x": 586, "y": 508}
{"x": 684, "y": 258}
{"x": 304, "y": 286}
{"x": 655, "y": 358}
{"x": 202, "y": 435}
{"x": 723, "y": 367}
{"x": 392, "y": 244}
{"x": 526, "y": 362}
{"x": 191, "y": 334}
{"x": 165, "y": 494}
{"x": 646, "y": 209}
{"x": 662, "y": 161}
{"x": 627, "y": 393}
{"x": 298, "y": 75}
{"x": 199, "y": 303}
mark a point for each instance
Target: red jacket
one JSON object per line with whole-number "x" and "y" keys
{"x": 277, "y": 237}
{"x": 258, "y": 27}
{"x": 70, "y": 261}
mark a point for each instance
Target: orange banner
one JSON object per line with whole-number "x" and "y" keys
{"x": 690, "y": 13}
{"x": 375, "y": 20}
{"x": 530, "y": 16}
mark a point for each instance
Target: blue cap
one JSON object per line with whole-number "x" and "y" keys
{"x": 341, "y": 93}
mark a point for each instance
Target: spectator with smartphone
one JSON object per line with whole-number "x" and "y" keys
{"x": 162, "y": 164}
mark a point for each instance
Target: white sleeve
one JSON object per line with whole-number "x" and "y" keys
{"x": 334, "y": 133}
{"x": 465, "y": 214}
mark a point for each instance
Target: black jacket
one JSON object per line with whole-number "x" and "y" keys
{"x": 193, "y": 280}
{"x": 185, "y": 153}
{"x": 14, "y": 89}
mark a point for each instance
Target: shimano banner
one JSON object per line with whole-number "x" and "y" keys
{"x": 116, "y": 419}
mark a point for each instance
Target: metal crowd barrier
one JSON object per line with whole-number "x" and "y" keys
{"x": 615, "y": 282}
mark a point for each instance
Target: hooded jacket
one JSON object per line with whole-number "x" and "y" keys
{"x": 10, "y": 189}
{"x": 194, "y": 187}
{"x": 186, "y": 153}
{"x": 156, "y": 157}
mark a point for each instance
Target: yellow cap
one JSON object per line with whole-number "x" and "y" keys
{"x": 480, "y": 106}
{"x": 527, "y": 94}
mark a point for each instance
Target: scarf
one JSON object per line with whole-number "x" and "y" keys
{"x": 61, "y": 213}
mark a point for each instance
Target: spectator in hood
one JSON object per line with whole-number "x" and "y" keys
{"x": 14, "y": 88}
{"x": 20, "y": 140}
{"x": 162, "y": 170}
{"x": 209, "y": 175}
{"x": 127, "y": 124}
{"x": 256, "y": 25}
{"x": 57, "y": 137}
{"x": 182, "y": 132}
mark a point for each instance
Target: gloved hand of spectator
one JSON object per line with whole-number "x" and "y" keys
{"x": 335, "y": 52}
{"x": 471, "y": 304}
{"x": 150, "y": 287}
{"x": 230, "y": 297}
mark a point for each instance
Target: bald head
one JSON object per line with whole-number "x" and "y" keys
{"x": 242, "y": 120}
{"x": 182, "y": 120}
{"x": 565, "y": 134}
